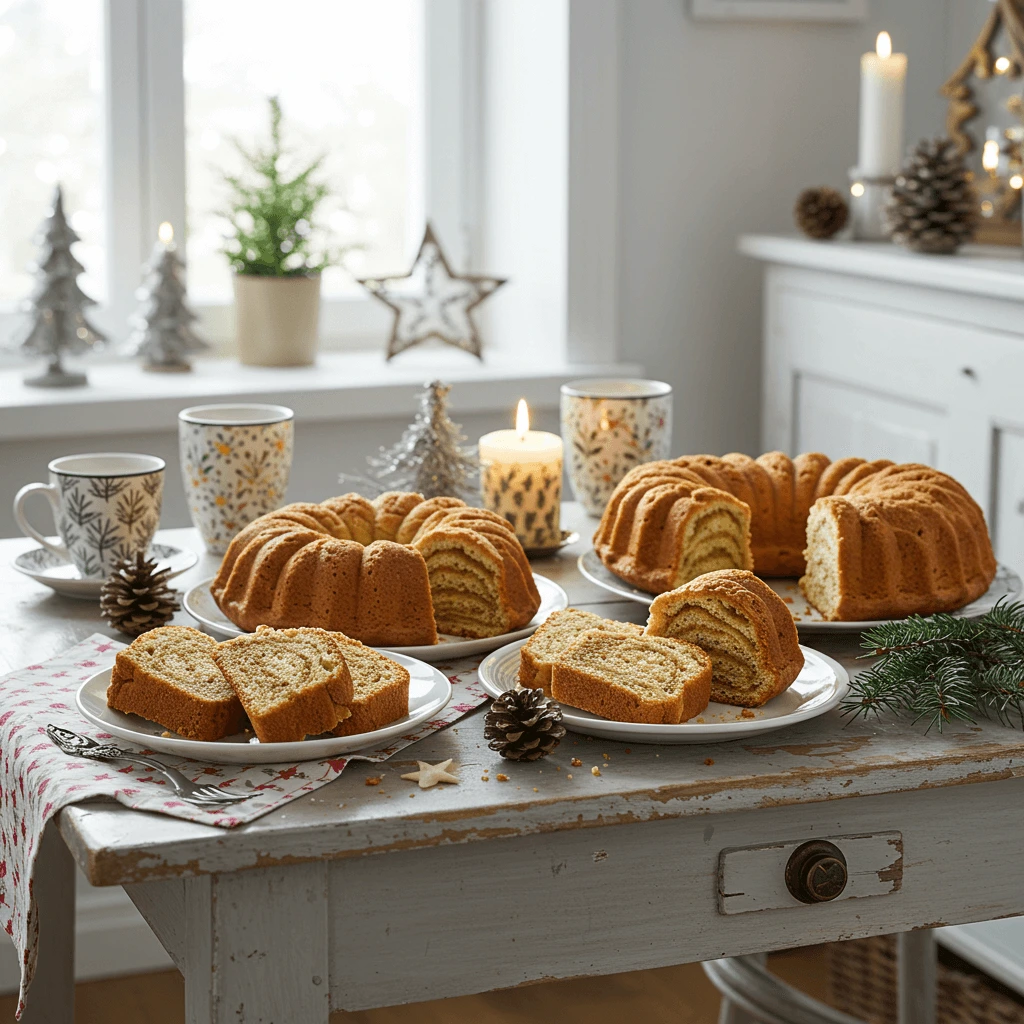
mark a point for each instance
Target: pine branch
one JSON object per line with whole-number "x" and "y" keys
{"x": 941, "y": 669}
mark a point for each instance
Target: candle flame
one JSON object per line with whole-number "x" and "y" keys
{"x": 165, "y": 233}
{"x": 883, "y": 44}
{"x": 990, "y": 155}
{"x": 522, "y": 419}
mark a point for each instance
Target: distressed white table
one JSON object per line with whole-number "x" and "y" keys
{"x": 360, "y": 896}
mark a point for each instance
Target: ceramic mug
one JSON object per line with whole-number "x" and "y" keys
{"x": 610, "y": 426}
{"x": 235, "y": 462}
{"x": 106, "y": 507}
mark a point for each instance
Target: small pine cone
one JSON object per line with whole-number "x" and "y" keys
{"x": 136, "y": 598}
{"x": 524, "y": 725}
{"x": 934, "y": 207}
{"x": 820, "y": 212}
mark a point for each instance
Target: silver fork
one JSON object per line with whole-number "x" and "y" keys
{"x": 74, "y": 745}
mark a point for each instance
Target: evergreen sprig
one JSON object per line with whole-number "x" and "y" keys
{"x": 272, "y": 215}
{"x": 942, "y": 669}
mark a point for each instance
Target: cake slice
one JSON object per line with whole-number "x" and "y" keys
{"x": 293, "y": 683}
{"x": 630, "y": 678}
{"x": 553, "y": 636}
{"x": 744, "y": 626}
{"x": 168, "y": 676}
{"x": 380, "y": 688}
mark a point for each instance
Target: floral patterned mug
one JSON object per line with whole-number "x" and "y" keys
{"x": 106, "y": 507}
{"x": 610, "y": 426}
{"x": 235, "y": 462}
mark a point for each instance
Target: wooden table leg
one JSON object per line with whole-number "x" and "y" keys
{"x": 51, "y": 999}
{"x": 917, "y": 977}
{"x": 256, "y": 947}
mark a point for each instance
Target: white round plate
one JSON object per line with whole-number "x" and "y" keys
{"x": 1007, "y": 584}
{"x": 821, "y": 685}
{"x": 62, "y": 576}
{"x": 429, "y": 692}
{"x": 199, "y": 603}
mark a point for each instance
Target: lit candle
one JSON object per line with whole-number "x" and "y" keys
{"x": 521, "y": 480}
{"x": 883, "y": 77}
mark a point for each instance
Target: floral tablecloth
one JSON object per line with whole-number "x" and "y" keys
{"x": 37, "y": 780}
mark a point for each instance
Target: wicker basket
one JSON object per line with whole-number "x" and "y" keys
{"x": 862, "y": 982}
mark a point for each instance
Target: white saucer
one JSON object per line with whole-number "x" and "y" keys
{"x": 1007, "y": 584}
{"x": 61, "y": 575}
{"x": 821, "y": 685}
{"x": 199, "y": 603}
{"x": 429, "y": 692}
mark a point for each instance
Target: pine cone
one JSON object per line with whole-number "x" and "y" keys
{"x": 820, "y": 212}
{"x": 524, "y": 725}
{"x": 933, "y": 207}
{"x": 136, "y": 598}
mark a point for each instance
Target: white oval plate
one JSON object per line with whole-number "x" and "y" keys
{"x": 807, "y": 618}
{"x": 199, "y": 603}
{"x": 821, "y": 685}
{"x": 62, "y": 576}
{"x": 429, "y": 692}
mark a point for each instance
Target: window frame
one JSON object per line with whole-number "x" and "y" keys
{"x": 145, "y": 174}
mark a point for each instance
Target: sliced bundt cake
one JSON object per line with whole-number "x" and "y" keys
{"x": 742, "y": 624}
{"x": 875, "y": 540}
{"x": 368, "y": 569}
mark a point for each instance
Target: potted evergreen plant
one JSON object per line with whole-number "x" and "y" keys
{"x": 274, "y": 256}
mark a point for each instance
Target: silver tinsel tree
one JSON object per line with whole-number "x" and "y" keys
{"x": 430, "y": 457}
{"x": 58, "y": 323}
{"x": 163, "y": 333}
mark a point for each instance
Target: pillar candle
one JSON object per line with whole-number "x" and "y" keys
{"x": 521, "y": 480}
{"x": 883, "y": 77}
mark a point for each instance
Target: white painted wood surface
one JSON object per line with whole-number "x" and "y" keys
{"x": 754, "y": 878}
{"x": 642, "y": 893}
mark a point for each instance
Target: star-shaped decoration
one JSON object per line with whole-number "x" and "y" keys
{"x": 431, "y": 774}
{"x": 432, "y": 301}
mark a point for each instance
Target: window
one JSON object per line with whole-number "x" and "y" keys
{"x": 134, "y": 106}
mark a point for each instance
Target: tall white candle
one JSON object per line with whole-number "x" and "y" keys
{"x": 521, "y": 480}
{"x": 883, "y": 78}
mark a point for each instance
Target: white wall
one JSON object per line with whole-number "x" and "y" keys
{"x": 721, "y": 125}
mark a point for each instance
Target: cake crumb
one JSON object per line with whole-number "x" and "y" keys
{"x": 607, "y": 757}
{"x": 166, "y": 735}
{"x": 569, "y": 776}
{"x": 558, "y": 767}
{"x": 502, "y": 777}
{"x": 627, "y": 751}
{"x": 701, "y": 720}
{"x": 576, "y": 763}
{"x": 485, "y": 778}
{"x": 411, "y": 795}
{"x": 788, "y": 600}
{"x": 709, "y": 761}
{"x": 747, "y": 713}
{"x": 536, "y": 790}
{"x": 595, "y": 770}
{"x": 373, "y": 780}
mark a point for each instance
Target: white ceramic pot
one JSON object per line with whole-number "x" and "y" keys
{"x": 277, "y": 319}
{"x": 235, "y": 463}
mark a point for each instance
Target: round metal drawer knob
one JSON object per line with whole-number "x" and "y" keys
{"x": 816, "y": 872}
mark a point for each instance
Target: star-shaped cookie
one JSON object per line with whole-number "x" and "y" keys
{"x": 431, "y": 301}
{"x": 431, "y": 774}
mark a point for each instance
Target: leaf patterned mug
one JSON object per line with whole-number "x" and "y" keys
{"x": 106, "y": 507}
{"x": 235, "y": 464}
{"x": 610, "y": 426}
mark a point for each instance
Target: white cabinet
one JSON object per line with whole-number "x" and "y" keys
{"x": 876, "y": 352}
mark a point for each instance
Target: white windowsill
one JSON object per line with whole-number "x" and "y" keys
{"x": 121, "y": 398}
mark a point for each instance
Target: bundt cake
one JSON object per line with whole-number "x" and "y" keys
{"x": 389, "y": 572}
{"x": 873, "y": 539}
{"x": 742, "y": 624}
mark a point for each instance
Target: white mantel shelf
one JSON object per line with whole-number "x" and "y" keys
{"x": 341, "y": 386}
{"x": 995, "y": 271}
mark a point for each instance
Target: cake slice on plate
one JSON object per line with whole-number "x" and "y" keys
{"x": 380, "y": 688}
{"x": 168, "y": 676}
{"x": 553, "y": 636}
{"x": 630, "y": 678}
{"x": 293, "y": 683}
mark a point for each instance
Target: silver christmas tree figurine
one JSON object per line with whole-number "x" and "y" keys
{"x": 163, "y": 333}
{"x": 58, "y": 323}
{"x": 430, "y": 457}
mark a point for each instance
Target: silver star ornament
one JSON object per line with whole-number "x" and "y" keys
{"x": 432, "y": 301}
